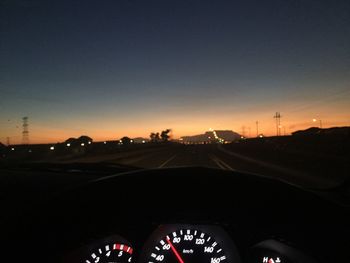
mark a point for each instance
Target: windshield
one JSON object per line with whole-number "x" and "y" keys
{"x": 254, "y": 86}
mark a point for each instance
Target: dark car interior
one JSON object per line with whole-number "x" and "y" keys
{"x": 254, "y": 219}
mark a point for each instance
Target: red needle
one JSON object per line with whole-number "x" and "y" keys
{"x": 175, "y": 251}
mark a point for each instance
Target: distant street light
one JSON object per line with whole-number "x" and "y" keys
{"x": 52, "y": 148}
{"x": 68, "y": 144}
{"x": 82, "y": 144}
{"x": 320, "y": 121}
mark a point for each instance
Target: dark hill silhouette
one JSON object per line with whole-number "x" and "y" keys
{"x": 335, "y": 131}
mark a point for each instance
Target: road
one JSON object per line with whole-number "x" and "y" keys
{"x": 214, "y": 156}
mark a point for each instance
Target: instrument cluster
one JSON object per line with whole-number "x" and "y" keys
{"x": 185, "y": 243}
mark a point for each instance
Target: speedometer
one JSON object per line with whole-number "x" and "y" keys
{"x": 190, "y": 244}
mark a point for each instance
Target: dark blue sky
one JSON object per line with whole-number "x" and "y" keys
{"x": 110, "y": 68}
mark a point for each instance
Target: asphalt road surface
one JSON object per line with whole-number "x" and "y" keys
{"x": 215, "y": 156}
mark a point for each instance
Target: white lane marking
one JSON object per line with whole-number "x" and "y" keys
{"x": 215, "y": 160}
{"x": 275, "y": 167}
{"x": 226, "y": 165}
{"x": 221, "y": 163}
{"x": 167, "y": 161}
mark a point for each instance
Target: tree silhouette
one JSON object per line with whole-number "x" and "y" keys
{"x": 84, "y": 139}
{"x": 126, "y": 140}
{"x": 165, "y": 135}
{"x": 154, "y": 137}
{"x": 78, "y": 141}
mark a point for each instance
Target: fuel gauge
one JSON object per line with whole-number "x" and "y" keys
{"x": 272, "y": 251}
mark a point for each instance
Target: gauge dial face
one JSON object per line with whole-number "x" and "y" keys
{"x": 187, "y": 246}
{"x": 111, "y": 253}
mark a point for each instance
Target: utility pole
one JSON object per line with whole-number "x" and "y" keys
{"x": 25, "y": 131}
{"x": 171, "y": 134}
{"x": 243, "y": 131}
{"x": 278, "y": 123}
{"x": 320, "y": 121}
{"x": 257, "y": 128}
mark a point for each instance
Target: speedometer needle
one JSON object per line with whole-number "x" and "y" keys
{"x": 175, "y": 251}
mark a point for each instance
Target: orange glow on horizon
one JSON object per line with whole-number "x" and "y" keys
{"x": 266, "y": 126}
{"x": 187, "y": 123}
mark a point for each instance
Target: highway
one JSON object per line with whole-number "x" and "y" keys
{"x": 214, "y": 156}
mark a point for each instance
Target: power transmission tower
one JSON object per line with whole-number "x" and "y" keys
{"x": 278, "y": 123}
{"x": 25, "y": 131}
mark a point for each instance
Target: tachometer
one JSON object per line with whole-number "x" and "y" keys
{"x": 191, "y": 244}
{"x": 110, "y": 249}
{"x": 111, "y": 253}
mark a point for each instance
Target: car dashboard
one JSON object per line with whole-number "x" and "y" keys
{"x": 185, "y": 243}
{"x": 184, "y": 215}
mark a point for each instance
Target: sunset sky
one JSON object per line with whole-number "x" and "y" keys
{"x": 112, "y": 68}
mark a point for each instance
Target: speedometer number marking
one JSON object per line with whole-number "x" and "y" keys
{"x": 187, "y": 245}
